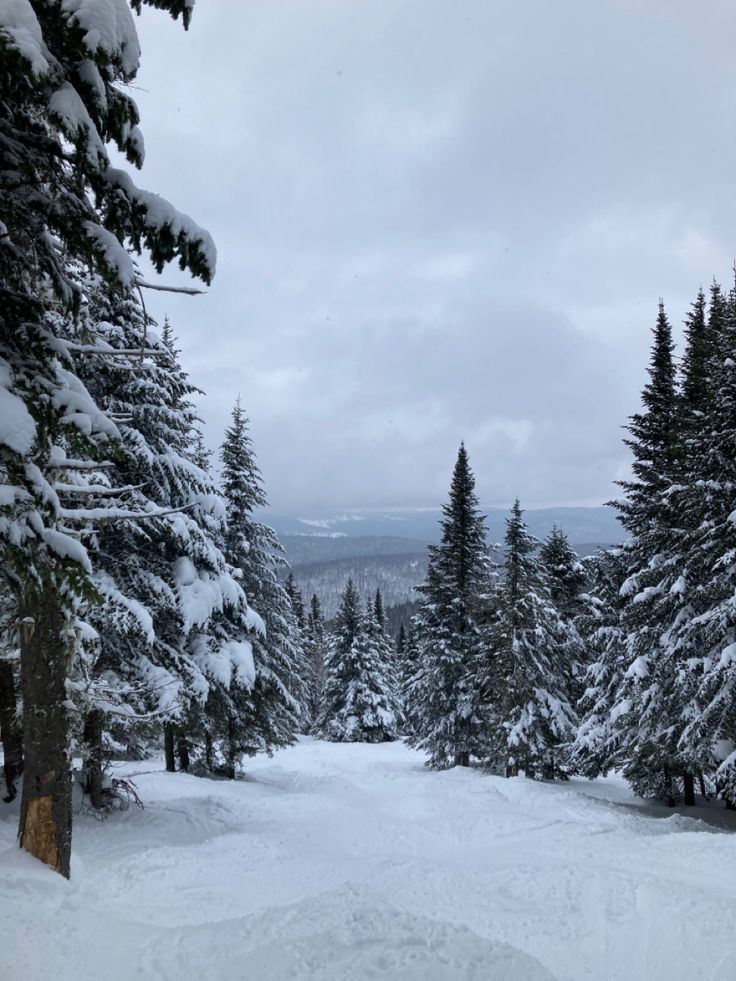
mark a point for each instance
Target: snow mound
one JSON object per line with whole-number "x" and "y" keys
{"x": 347, "y": 934}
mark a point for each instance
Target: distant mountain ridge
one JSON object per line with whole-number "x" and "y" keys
{"x": 597, "y": 525}
{"x": 388, "y": 550}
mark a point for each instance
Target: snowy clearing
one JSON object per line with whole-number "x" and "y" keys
{"x": 350, "y": 861}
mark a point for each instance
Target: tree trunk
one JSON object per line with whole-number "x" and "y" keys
{"x": 45, "y": 828}
{"x": 688, "y": 785}
{"x": 93, "y": 743}
{"x": 209, "y": 760}
{"x": 669, "y": 792}
{"x": 462, "y": 758}
{"x": 10, "y": 732}
{"x": 169, "y": 748}
{"x": 230, "y": 763}
{"x": 701, "y": 781}
{"x": 182, "y": 749}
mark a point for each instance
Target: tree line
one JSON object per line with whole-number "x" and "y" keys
{"x": 625, "y": 660}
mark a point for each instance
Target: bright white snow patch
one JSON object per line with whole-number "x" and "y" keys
{"x": 240, "y": 653}
{"x": 338, "y": 862}
{"x": 17, "y": 428}
{"x": 19, "y": 23}
{"x": 109, "y": 29}
{"x": 112, "y": 252}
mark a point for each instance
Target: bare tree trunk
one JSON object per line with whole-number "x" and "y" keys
{"x": 93, "y": 741}
{"x": 182, "y": 749}
{"x": 462, "y": 758}
{"x": 10, "y": 731}
{"x": 209, "y": 760}
{"x": 701, "y": 781}
{"x": 45, "y": 828}
{"x": 169, "y": 748}
{"x": 688, "y": 786}
{"x": 230, "y": 764}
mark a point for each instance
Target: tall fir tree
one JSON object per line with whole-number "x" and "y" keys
{"x": 65, "y": 208}
{"x": 272, "y": 716}
{"x": 443, "y": 694}
{"x": 705, "y": 640}
{"x": 316, "y": 654}
{"x": 646, "y": 705}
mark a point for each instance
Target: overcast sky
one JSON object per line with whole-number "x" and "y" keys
{"x": 440, "y": 219}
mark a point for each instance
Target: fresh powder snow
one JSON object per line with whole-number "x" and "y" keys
{"x": 342, "y": 862}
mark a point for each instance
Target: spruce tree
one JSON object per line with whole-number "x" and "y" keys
{"x": 359, "y": 701}
{"x": 172, "y": 627}
{"x": 565, "y": 575}
{"x": 65, "y": 209}
{"x": 706, "y": 639}
{"x": 646, "y": 706}
{"x": 271, "y": 716}
{"x": 315, "y": 652}
{"x": 530, "y": 714}
{"x": 597, "y": 746}
{"x": 443, "y": 695}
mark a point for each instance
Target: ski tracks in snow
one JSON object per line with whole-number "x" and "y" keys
{"x": 336, "y": 862}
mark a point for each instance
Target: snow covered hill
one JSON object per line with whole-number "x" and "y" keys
{"x": 349, "y": 862}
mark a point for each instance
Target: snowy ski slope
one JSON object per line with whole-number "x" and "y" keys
{"x": 353, "y": 862}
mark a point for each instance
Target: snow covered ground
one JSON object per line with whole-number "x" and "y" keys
{"x": 353, "y": 862}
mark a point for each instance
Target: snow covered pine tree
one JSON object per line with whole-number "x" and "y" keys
{"x": 442, "y": 698}
{"x": 530, "y": 716}
{"x": 63, "y": 206}
{"x": 272, "y": 714}
{"x": 359, "y": 702}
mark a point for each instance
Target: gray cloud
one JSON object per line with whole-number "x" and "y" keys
{"x": 439, "y": 221}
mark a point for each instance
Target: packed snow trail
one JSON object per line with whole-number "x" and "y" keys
{"x": 337, "y": 862}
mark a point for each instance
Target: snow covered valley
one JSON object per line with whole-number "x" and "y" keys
{"x": 344, "y": 862}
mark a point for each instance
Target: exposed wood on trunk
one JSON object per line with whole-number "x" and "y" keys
{"x": 10, "y": 731}
{"x": 169, "y": 747}
{"x": 45, "y": 828}
{"x": 93, "y": 745}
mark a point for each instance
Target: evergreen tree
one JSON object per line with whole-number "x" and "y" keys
{"x": 529, "y": 708}
{"x": 565, "y": 575}
{"x": 296, "y": 600}
{"x": 705, "y": 639}
{"x": 315, "y": 651}
{"x": 400, "y": 643}
{"x": 64, "y": 208}
{"x": 443, "y": 695}
{"x": 173, "y": 624}
{"x": 359, "y": 700}
{"x": 409, "y": 678}
{"x": 272, "y": 715}
{"x": 646, "y": 706}
{"x": 596, "y": 748}
{"x": 565, "y": 572}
